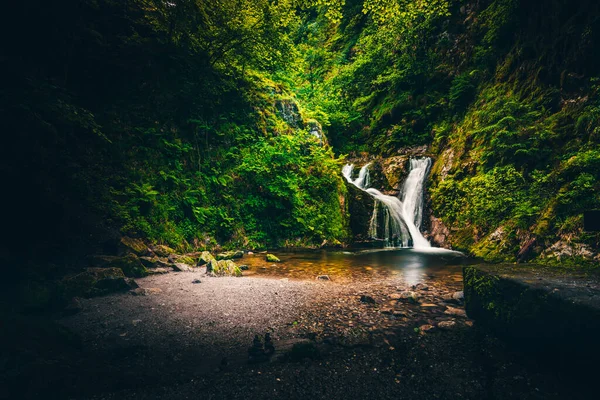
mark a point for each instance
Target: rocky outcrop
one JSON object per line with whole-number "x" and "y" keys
{"x": 288, "y": 110}
{"x": 548, "y": 309}
{"x": 162, "y": 250}
{"x": 131, "y": 265}
{"x": 97, "y": 282}
{"x": 135, "y": 246}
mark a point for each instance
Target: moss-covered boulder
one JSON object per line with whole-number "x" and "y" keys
{"x": 223, "y": 268}
{"x": 131, "y": 245}
{"x": 186, "y": 259}
{"x": 131, "y": 266}
{"x": 204, "y": 258}
{"x": 150, "y": 262}
{"x": 96, "y": 282}
{"x": 272, "y": 258}
{"x": 230, "y": 255}
{"x": 163, "y": 251}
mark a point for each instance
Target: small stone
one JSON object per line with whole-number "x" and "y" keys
{"x": 367, "y": 299}
{"x": 408, "y": 296}
{"x": 323, "y": 278}
{"x": 395, "y": 296}
{"x": 426, "y": 328}
{"x": 455, "y": 311}
{"x": 196, "y": 281}
{"x": 387, "y": 311}
{"x": 446, "y": 324}
{"x": 398, "y": 313}
{"x": 460, "y": 296}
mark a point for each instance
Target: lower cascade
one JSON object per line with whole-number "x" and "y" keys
{"x": 396, "y": 220}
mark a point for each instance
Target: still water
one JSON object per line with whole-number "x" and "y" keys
{"x": 409, "y": 265}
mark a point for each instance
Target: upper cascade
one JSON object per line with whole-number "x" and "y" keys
{"x": 396, "y": 219}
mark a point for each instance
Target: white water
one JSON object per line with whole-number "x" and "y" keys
{"x": 401, "y": 218}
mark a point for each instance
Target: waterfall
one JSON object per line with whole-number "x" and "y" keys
{"x": 396, "y": 219}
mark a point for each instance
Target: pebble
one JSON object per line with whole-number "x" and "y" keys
{"x": 446, "y": 324}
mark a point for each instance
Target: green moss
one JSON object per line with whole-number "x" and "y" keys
{"x": 272, "y": 258}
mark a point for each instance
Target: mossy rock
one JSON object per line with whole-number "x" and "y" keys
{"x": 205, "y": 258}
{"x": 163, "y": 251}
{"x": 271, "y": 258}
{"x": 230, "y": 255}
{"x": 135, "y": 246}
{"x": 150, "y": 262}
{"x": 185, "y": 259}
{"x": 131, "y": 266}
{"x": 223, "y": 268}
{"x": 96, "y": 282}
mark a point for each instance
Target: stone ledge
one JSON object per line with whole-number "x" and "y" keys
{"x": 538, "y": 308}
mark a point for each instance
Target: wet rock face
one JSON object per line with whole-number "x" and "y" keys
{"x": 289, "y": 112}
{"x": 395, "y": 171}
{"x": 360, "y": 208}
{"x": 439, "y": 234}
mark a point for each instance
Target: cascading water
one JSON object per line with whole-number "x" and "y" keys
{"x": 397, "y": 221}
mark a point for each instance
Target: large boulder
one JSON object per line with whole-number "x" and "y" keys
{"x": 204, "y": 258}
{"x": 96, "y": 282}
{"x": 223, "y": 268}
{"x": 131, "y": 266}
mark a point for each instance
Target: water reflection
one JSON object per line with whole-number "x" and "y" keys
{"x": 409, "y": 265}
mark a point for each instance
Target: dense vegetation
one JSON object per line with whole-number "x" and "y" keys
{"x": 192, "y": 123}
